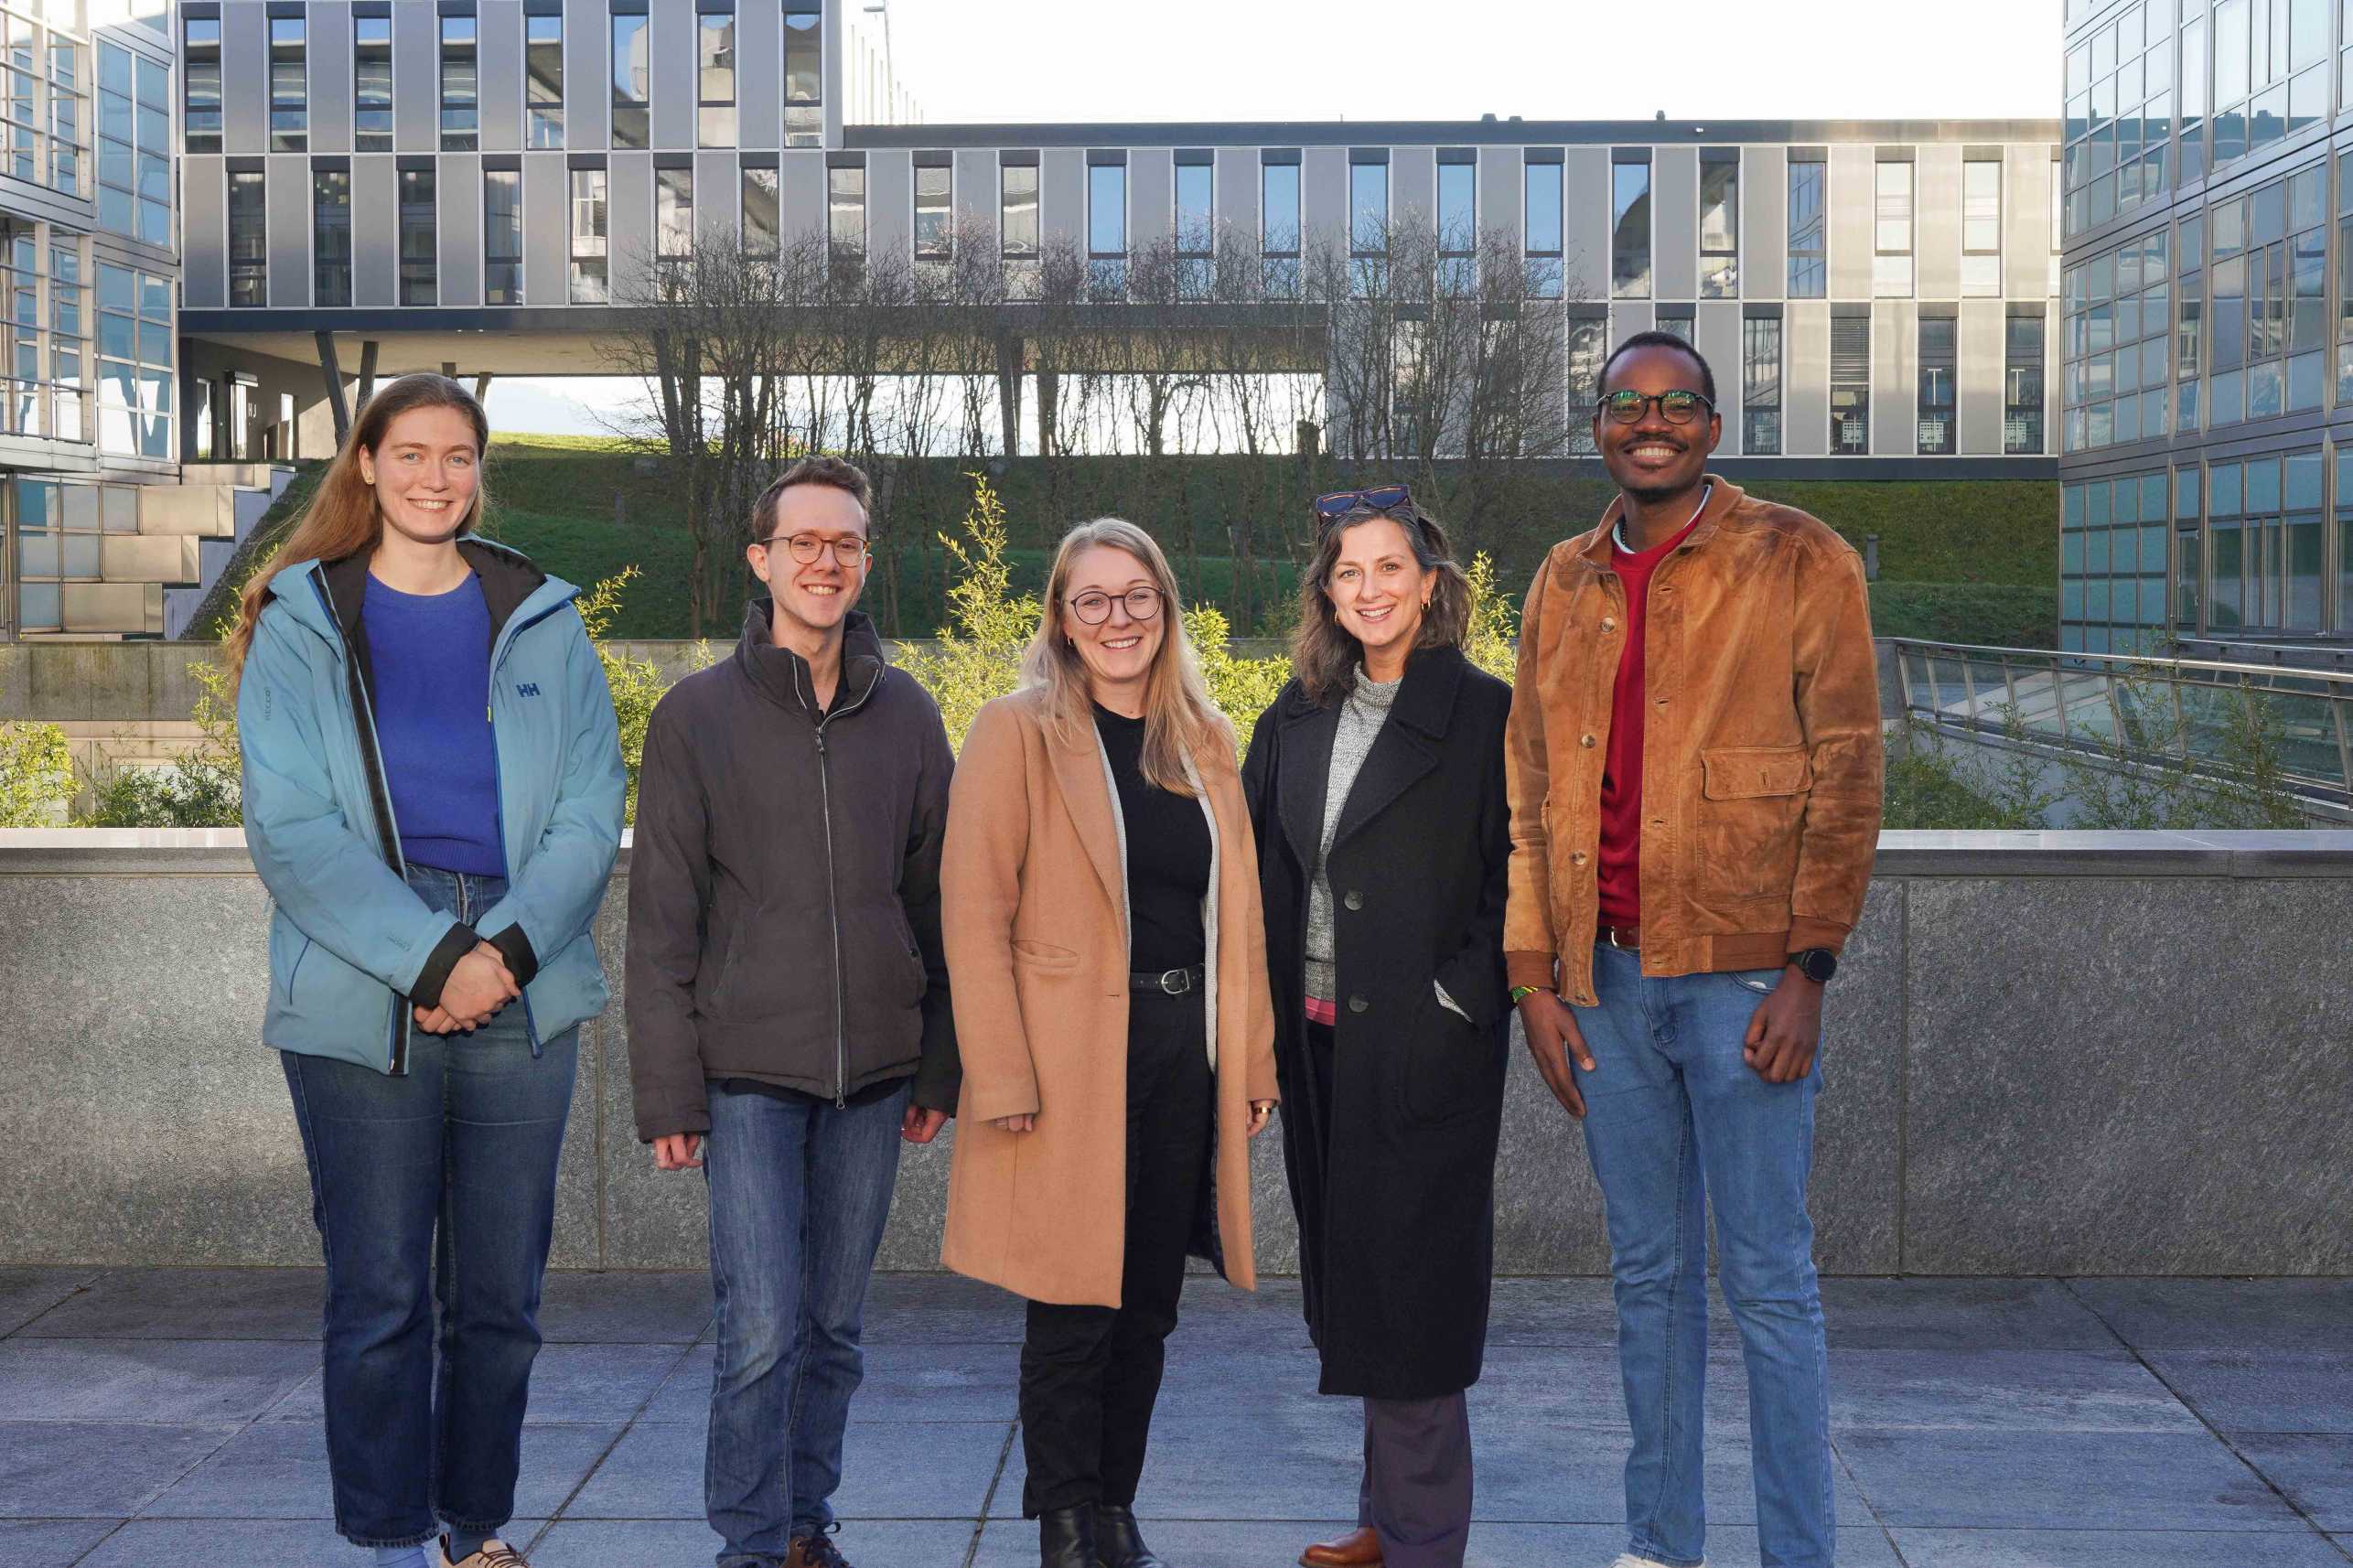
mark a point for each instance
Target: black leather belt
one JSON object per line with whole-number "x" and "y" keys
{"x": 1170, "y": 982}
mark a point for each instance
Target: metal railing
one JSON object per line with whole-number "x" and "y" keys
{"x": 2190, "y": 712}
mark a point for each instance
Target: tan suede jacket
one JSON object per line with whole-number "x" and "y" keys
{"x": 1761, "y": 752}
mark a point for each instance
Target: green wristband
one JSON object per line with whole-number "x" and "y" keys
{"x": 1521, "y": 992}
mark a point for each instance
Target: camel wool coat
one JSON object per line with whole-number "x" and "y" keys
{"x": 1034, "y": 894}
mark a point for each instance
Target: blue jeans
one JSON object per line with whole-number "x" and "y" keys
{"x": 1675, "y": 1121}
{"x": 799, "y": 1194}
{"x": 438, "y": 1185}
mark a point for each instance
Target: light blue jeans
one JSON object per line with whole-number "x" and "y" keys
{"x": 1677, "y": 1121}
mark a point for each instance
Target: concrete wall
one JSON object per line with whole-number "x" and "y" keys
{"x": 2046, "y": 1053}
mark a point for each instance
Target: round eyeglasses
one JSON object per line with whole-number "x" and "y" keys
{"x": 1628, "y": 407}
{"x": 1094, "y": 606}
{"x": 849, "y": 550}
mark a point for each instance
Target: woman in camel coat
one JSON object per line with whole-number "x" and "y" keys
{"x": 1108, "y": 964}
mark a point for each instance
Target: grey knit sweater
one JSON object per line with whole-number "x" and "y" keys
{"x": 1362, "y": 716}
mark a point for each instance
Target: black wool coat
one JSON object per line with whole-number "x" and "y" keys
{"x": 1393, "y": 1180}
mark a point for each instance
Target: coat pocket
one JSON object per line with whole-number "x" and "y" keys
{"x": 1752, "y": 800}
{"x": 1047, "y": 956}
{"x": 1451, "y": 1067}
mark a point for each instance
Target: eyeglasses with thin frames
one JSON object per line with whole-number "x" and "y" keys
{"x": 849, "y": 551}
{"x": 1094, "y": 606}
{"x": 1626, "y": 406}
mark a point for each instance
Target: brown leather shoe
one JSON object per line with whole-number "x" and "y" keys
{"x": 1359, "y": 1548}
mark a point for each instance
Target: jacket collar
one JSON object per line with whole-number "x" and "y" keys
{"x": 516, "y": 591}
{"x": 1593, "y": 548}
{"x": 1407, "y": 748}
{"x": 782, "y": 675}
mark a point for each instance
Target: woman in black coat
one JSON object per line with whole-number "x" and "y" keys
{"x": 1376, "y": 786}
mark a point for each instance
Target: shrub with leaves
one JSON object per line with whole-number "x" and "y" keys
{"x": 637, "y": 684}
{"x": 978, "y": 655}
{"x": 1494, "y": 642}
{"x": 36, "y": 775}
{"x": 203, "y": 787}
{"x": 1241, "y": 687}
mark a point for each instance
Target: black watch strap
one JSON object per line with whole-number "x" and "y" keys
{"x": 1817, "y": 964}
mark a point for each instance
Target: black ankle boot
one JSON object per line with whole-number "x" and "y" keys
{"x": 1118, "y": 1543}
{"x": 1066, "y": 1537}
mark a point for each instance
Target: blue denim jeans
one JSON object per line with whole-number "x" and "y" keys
{"x": 438, "y": 1187}
{"x": 799, "y": 1194}
{"x": 1676, "y": 1123}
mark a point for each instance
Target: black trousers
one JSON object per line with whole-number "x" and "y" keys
{"x": 1091, "y": 1375}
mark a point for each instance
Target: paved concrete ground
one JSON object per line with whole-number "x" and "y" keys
{"x": 157, "y": 1417}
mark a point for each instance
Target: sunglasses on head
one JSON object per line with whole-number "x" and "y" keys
{"x": 1331, "y": 509}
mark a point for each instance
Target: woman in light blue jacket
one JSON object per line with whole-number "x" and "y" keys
{"x": 433, "y": 789}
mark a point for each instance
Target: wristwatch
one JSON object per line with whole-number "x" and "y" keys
{"x": 1817, "y": 964}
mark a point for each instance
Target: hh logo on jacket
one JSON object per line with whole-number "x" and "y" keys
{"x": 526, "y": 688}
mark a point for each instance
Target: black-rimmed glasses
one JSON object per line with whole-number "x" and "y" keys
{"x": 849, "y": 551}
{"x": 1094, "y": 606}
{"x": 1626, "y": 406}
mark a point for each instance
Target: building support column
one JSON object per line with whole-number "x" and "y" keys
{"x": 1009, "y": 392}
{"x": 333, "y": 374}
{"x": 367, "y": 375}
{"x": 1049, "y": 387}
{"x": 482, "y": 387}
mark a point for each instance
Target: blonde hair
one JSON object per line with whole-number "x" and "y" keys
{"x": 1180, "y": 720}
{"x": 342, "y": 518}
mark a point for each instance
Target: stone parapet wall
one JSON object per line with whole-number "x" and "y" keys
{"x": 2045, "y": 1054}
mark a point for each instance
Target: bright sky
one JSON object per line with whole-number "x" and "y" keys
{"x": 1457, "y": 59}
{"x": 1443, "y": 60}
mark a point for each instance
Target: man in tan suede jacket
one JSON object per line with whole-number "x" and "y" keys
{"x": 1693, "y": 763}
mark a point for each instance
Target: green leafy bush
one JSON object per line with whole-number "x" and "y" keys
{"x": 36, "y": 775}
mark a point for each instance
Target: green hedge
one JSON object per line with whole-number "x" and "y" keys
{"x": 1991, "y": 614}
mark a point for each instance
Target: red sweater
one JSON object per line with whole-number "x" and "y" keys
{"x": 1619, "y": 868}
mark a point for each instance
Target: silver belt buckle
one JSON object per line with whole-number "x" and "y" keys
{"x": 1175, "y": 981}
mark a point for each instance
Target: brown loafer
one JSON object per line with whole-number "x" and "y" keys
{"x": 1359, "y": 1548}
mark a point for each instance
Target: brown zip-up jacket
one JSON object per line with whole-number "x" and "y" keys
{"x": 1761, "y": 750}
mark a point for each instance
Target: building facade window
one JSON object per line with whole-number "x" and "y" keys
{"x": 1980, "y": 228}
{"x": 935, "y": 223}
{"x": 2270, "y": 75}
{"x": 1939, "y": 355}
{"x": 845, "y": 224}
{"x": 1107, "y": 230}
{"x": 714, "y": 114}
{"x": 2267, "y": 317}
{"x": 1457, "y": 227}
{"x": 1629, "y": 230}
{"x": 1891, "y": 229}
{"x": 69, "y": 342}
{"x": 46, "y": 343}
{"x": 590, "y": 281}
{"x": 2022, "y": 386}
{"x": 632, "y": 82}
{"x": 1760, "y": 386}
{"x": 502, "y": 236}
{"x": 2112, "y": 564}
{"x": 673, "y": 216}
{"x": 135, "y": 366}
{"x": 2190, "y": 339}
{"x": 289, "y": 86}
{"x": 2189, "y": 554}
{"x": 1809, "y": 224}
{"x": 461, "y": 86}
{"x": 68, "y": 115}
{"x": 330, "y": 237}
{"x": 2120, "y": 105}
{"x": 1676, "y": 321}
{"x": 542, "y": 82}
{"x": 2119, "y": 322}
{"x": 805, "y": 79}
{"x": 1720, "y": 229}
{"x": 1278, "y": 227}
{"x": 1543, "y": 229}
{"x": 1588, "y": 350}
{"x": 372, "y": 84}
{"x": 201, "y": 57}
{"x": 1195, "y": 220}
{"x": 763, "y": 213}
{"x": 2342, "y": 620}
{"x": 1368, "y": 227}
{"x": 420, "y": 271}
{"x": 1017, "y": 229}
{"x": 249, "y": 241}
{"x": 135, "y": 156}
{"x": 1850, "y": 385}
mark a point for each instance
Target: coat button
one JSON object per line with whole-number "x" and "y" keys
{"x": 1357, "y": 1003}
{"x": 1576, "y": 857}
{"x": 1354, "y": 900}
{"x": 1607, "y": 624}
{"x": 1587, "y": 741}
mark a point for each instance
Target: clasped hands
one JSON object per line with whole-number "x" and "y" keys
{"x": 477, "y": 987}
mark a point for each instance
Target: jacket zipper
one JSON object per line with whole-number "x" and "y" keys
{"x": 380, "y": 791}
{"x": 498, "y": 773}
{"x": 832, "y": 885}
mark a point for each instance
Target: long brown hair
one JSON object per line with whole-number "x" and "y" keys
{"x": 1180, "y": 719}
{"x": 342, "y": 518}
{"x": 1324, "y": 653}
